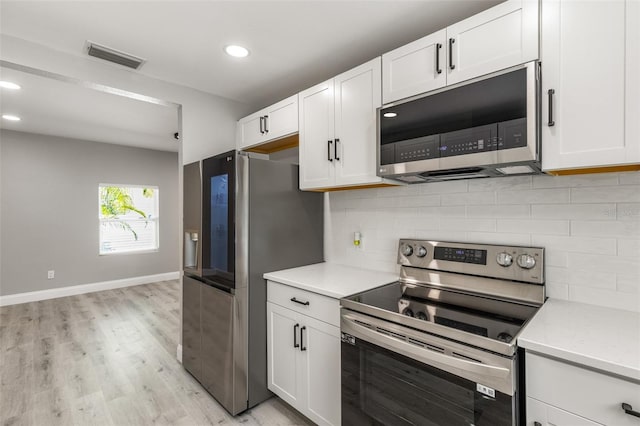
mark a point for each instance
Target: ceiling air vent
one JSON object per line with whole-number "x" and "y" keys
{"x": 115, "y": 56}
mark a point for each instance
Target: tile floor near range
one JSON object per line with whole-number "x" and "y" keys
{"x": 108, "y": 358}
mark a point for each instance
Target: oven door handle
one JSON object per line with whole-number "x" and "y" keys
{"x": 427, "y": 356}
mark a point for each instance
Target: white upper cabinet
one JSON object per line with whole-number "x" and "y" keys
{"x": 414, "y": 68}
{"x": 590, "y": 84}
{"x": 503, "y": 36}
{"x": 498, "y": 38}
{"x": 338, "y": 129}
{"x": 275, "y": 122}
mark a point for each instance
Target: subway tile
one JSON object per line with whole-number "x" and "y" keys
{"x": 574, "y": 211}
{"x": 461, "y": 199}
{"x": 444, "y": 211}
{"x": 629, "y": 178}
{"x": 557, "y": 291}
{"x": 477, "y": 225}
{"x": 503, "y": 211}
{"x": 629, "y": 248}
{"x": 628, "y": 283}
{"x": 554, "y": 227}
{"x": 495, "y": 238}
{"x": 604, "y": 279}
{"x": 594, "y": 262}
{"x": 554, "y": 257}
{"x": 595, "y": 179}
{"x": 613, "y": 229}
{"x": 604, "y": 297}
{"x": 440, "y": 235}
{"x": 450, "y": 187}
{"x": 534, "y": 196}
{"x": 398, "y": 191}
{"x": 503, "y": 184}
{"x": 413, "y": 201}
{"x": 628, "y": 211}
{"x": 428, "y": 224}
{"x": 556, "y": 275}
{"x": 605, "y": 246}
{"x": 606, "y": 194}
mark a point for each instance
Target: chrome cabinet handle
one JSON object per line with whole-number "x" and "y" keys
{"x": 438, "y": 47}
{"x": 302, "y": 346}
{"x": 294, "y": 300}
{"x": 335, "y": 150}
{"x": 266, "y": 121}
{"x": 329, "y": 142}
{"x": 295, "y": 336}
{"x": 262, "y": 125}
{"x": 629, "y": 410}
{"x": 451, "y": 41}
{"x": 551, "y": 92}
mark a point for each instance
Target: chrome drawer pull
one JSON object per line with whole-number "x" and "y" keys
{"x": 629, "y": 410}
{"x": 294, "y": 300}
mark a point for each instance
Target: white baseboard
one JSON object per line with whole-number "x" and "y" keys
{"x": 54, "y": 293}
{"x": 179, "y": 353}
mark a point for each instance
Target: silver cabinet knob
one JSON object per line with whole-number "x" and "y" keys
{"x": 422, "y": 252}
{"x": 504, "y": 259}
{"x": 526, "y": 261}
{"x": 407, "y": 250}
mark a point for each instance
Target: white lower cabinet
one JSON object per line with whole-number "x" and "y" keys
{"x": 563, "y": 394}
{"x": 303, "y": 356}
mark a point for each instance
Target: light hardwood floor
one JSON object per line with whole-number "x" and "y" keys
{"x": 108, "y": 358}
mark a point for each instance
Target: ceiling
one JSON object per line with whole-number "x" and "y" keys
{"x": 52, "y": 107}
{"x": 293, "y": 45}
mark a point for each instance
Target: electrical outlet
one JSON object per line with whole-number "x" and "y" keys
{"x": 51, "y": 274}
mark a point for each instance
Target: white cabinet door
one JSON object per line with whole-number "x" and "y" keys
{"x": 541, "y": 414}
{"x": 316, "y": 119}
{"x": 632, "y": 83}
{"x": 357, "y": 96}
{"x": 283, "y": 356}
{"x": 498, "y": 38}
{"x": 250, "y": 130}
{"x": 583, "y": 64}
{"x": 322, "y": 371}
{"x": 282, "y": 118}
{"x": 415, "y": 68}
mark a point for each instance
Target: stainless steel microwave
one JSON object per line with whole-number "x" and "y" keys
{"x": 484, "y": 127}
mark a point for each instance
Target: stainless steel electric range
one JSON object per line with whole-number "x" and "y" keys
{"x": 438, "y": 347}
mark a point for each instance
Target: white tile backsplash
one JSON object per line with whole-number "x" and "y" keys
{"x": 588, "y": 224}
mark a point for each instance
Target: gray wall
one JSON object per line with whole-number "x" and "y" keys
{"x": 49, "y": 199}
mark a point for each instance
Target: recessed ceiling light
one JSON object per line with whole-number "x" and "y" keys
{"x": 9, "y": 85}
{"x": 389, "y": 114}
{"x": 236, "y": 51}
{"x": 11, "y": 117}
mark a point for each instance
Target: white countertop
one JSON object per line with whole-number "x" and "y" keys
{"x": 597, "y": 337}
{"x": 331, "y": 279}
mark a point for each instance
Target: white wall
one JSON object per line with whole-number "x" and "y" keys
{"x": 588, "y": 224}
{"x": 208, "y": 121}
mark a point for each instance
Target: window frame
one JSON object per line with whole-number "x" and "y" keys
{"x": 155, "y": 218}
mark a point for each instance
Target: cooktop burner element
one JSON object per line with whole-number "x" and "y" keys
{"x": 477, "y": 294}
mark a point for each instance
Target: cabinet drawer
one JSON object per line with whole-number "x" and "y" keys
{"x": 315, "y": 305}
{"x": 595, "y": 396}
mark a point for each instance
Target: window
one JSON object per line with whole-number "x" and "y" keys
{"x": 128, "y": 218}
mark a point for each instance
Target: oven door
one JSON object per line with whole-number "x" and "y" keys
{"x": 393, "y": 375}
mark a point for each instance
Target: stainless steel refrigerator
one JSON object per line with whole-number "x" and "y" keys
{"x": 242, "y": 217}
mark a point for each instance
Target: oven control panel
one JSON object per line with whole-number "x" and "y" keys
{"x": 505, "y": 262}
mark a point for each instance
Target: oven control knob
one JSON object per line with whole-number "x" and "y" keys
{"x": 505, "y": 337}
{"x": 504, "y": 259}
{"x": 408, "y": 312}
{"x": 526, "y": 261}
{"x": 407, "y": 250}
{"x": 422, "y": 252}
{"x": 421, "y": 315}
